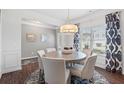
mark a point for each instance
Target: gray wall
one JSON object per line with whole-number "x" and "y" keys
{"x": 29, "y": 48}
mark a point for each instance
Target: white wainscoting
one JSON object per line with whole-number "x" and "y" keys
{"x": 11, "y": 60}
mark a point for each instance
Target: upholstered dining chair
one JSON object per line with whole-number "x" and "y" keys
{"x": 55, "y": 71}
{"x": 40, "y": 53}
{"x": 88, "y": 52}
{"x": 85, "y": 71}
{"x": 50, "y": 50}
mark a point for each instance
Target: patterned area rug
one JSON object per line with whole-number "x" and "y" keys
{"x": 97, "y": 79}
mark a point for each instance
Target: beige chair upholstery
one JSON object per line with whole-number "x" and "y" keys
{"x": 55, "y": 71}
{"x": 88, "y": 52}
{"x": 85, "y": 71}
{"x": 40, "y": 53}
{"x": 50, "y": 50}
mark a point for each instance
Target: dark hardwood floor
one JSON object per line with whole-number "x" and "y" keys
{"x": 113, "y": 78}
{"x": 18, "y": 77}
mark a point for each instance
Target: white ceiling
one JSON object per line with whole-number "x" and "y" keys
{"x": 56, "y": 17}
{"x": 61, "y": 14}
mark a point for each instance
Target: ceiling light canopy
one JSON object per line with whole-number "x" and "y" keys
{"x": 69, "y": 28}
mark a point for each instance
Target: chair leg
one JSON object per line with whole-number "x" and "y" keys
{"x": 41, "y": 77}
{"x": 69, "y": 64}
{"x": 69, "y": 80}
{"x": 91, "y": 80}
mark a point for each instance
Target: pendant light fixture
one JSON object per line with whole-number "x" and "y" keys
{"x": 69, "y": 28}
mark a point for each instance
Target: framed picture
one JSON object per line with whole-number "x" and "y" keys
{"x": 43, "y": 38}
{"x": 30, "y": 37}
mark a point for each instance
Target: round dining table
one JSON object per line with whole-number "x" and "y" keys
{"x": 74, "y": 56}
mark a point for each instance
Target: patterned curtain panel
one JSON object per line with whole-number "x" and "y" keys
{"x": 113, "y": 44}
{"x": 77, "y": 40}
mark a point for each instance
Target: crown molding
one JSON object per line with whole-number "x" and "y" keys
{"x": 49, "y": 19}
{"x": 95, "y": 14}
{"x": 38, "y": 25}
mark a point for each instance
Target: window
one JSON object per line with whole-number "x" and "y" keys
{"x": 85, "y": 38}
{"x": 93, "y": 38}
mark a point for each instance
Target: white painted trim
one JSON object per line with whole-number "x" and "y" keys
{"x": 92, "y": 15}
{"x": 41, "y": 17}
{"x": 58, "y": 21}
{"x": 0, "y": 45}
{"x": 28, "y": 57}
{"x": 1, "y": 63}
{"x": 11, "y": 69}
{"x": 38, "y": 25}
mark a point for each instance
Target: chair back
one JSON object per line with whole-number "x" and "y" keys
{"x": 50, "y": 50}
{"x": 40, "y": 53}
{"x": 88, "y": 52}
{"x": 54, "y": 70}
{"x": 89, "y": 66}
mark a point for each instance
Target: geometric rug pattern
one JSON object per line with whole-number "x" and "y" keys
{"x": 97, "y": 79}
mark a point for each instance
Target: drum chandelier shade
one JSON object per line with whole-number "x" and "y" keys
{"x": 69, "y": 27}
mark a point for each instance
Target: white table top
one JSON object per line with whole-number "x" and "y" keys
{"x": 75, "y": 56}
